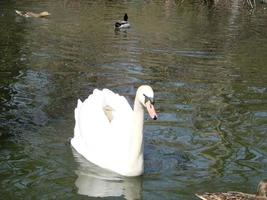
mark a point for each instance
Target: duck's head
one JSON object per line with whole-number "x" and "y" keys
{"x": 125, "y": 18}
{"x": 44, "y": 14}
{"x": 262, "y": 189}
{"x": 145, "y": 96}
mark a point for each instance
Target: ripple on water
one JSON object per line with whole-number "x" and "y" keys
{"x": 27, "y": 101}
{"x": 210, "y": 95}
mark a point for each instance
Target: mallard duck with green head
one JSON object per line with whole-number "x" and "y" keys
{"x": 123, "y": 24}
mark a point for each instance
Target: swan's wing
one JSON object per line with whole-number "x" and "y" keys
{"x": 117, "y": 102}
{"x": 100, "y": 119}
{"x": 102, "y": 127}
{"x": 121, "y": 111}
{"x": 91, "y": 124}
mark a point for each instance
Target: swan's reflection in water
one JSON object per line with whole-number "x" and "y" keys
{"x": 94, "y": 181}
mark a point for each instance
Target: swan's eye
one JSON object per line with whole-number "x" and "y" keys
{"x": 149, "y": 99}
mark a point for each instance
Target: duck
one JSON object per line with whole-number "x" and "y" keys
{"x": 109, "y": 133}
{"x": 123, "y": 24}
{"x": 261, "y": 194}
{"x": 32, "y": 14}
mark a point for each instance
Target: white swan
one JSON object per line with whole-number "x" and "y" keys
{"x": 109, "y": 133}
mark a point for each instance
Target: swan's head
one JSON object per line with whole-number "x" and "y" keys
{"x": 145, "y": 96}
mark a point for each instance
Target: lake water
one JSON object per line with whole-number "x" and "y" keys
{"x": 207, "y": 65}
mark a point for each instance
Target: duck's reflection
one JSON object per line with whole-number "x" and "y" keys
{"x": 96, "y": 182}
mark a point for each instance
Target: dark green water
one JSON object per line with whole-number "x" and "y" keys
{"x": 206, "y": 65}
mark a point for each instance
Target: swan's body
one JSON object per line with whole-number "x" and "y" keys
{"x": 109, "y": 133}
{"x": 32, "y": 14}
{"x": 123, "y": 24}
{"x": 260, "y": 195}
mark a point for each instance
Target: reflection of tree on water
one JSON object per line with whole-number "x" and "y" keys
{"x": 96, "y": 182}
{"x": 72, "y": 4}
{"x": 11, "y": 64}
{"x": 210, "y": 3}
{"x": 23, "y": 91}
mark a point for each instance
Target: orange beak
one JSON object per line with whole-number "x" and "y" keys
{"x": 151, "y": 110}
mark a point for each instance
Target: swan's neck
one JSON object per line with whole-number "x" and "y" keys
{"x": 137, "y": 134}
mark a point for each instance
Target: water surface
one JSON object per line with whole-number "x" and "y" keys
{"x": 207, "y": 66}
